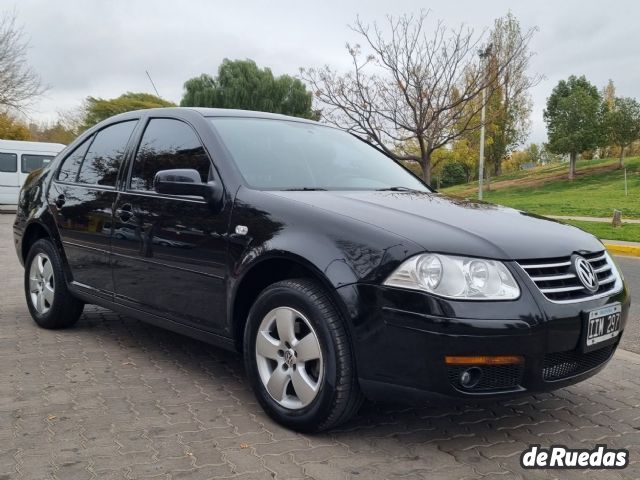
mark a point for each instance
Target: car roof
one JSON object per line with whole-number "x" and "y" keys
{"x": 214, "y": 112}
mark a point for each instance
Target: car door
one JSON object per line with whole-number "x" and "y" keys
{"x": 169, "y": 252}
{"x": 81, "y": 199}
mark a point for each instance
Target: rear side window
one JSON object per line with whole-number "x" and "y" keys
{"x": 103, "y": 159}
{"x": 167, "y": 144}
{"x": 34, "y": 162}
{"x": 8, "y": 162}
{"x": 69, "y": 169}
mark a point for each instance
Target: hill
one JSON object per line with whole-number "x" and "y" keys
{"x": 596, "y": 191}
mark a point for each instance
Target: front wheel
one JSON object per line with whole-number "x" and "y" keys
{"x": 50, "y": 303}
{"x": 298, "y": 357}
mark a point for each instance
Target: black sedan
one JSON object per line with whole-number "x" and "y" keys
{"x": 338, "y": 273}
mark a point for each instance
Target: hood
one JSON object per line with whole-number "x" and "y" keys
{"x": 450, "y": 225}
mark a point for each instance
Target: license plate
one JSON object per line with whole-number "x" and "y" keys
{"x": 602, "y": 326}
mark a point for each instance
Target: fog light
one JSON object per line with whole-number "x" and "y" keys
{"x": 470, "y": 377}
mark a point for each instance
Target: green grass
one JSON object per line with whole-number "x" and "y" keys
{"x": 628, "y": 232}
{"x": 592, "y": 194}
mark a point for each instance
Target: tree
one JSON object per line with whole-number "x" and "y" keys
{"x": 242, "y": 84}
{"x": 13, "y": 129}
{"x": 19, "y": 84}
{"x": 609, "y": 94}
{"x": 511, "y": 117}
{"x": 414, "y": 84}
{"x": 55, "y": 132}
{"x": 574, "y": 119}
{"x": 98, "y": 109}
{"x": 529, "y": 156}
{"x": 622, "y": 121}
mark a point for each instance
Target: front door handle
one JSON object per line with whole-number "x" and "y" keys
{"x": 124, "y": 212}
{"x": 60, "y": 201}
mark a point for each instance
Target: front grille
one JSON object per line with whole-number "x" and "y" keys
{"x": 570, "y": 363}
{"x": 557, "y": 280}
{"x": 493, "y": 378}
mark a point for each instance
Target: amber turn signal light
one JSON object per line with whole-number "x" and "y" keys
{"x": 484, "y": 360}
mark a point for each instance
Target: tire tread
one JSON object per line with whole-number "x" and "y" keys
{"x": 66, "y": 309}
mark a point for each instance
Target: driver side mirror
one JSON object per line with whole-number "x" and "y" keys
{"x": 187, "y": 182}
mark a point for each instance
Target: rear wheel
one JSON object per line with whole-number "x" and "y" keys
{"x": 49, "y": 301}
{"x": 299, "y": 359}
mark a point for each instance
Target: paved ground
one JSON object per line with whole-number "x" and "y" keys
{"x": 115, "y": 398}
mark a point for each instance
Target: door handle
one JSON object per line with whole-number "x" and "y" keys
{"x": 124, "y": 212}
{"x": 60, "y": 201}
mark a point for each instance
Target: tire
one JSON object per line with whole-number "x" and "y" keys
{"x": 322, "y": 389}
{"x": 54, "y": 307}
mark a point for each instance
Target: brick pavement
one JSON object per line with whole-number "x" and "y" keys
{"x": 115, "y": 398}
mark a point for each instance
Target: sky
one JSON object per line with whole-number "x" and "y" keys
{"x": 102, "y": 48}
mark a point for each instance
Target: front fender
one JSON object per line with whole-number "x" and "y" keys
{"x": 342, "y": 249}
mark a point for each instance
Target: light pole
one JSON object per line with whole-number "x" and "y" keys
{"x": 484, "y": 55}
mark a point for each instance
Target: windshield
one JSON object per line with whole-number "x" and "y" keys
{"x": 289, "y": 155}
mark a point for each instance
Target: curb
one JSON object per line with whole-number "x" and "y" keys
{"x": 632, "y": 250}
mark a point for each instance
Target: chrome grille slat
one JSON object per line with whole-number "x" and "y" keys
{"x": 547, "y": 265}
{"x": 607, "y": 280}
{"x": 565, "y": 276}
{"x": 561, "y": 289}
{"x": 558, "y": 282}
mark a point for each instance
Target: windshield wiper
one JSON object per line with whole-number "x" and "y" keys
{"x": 304, "y": 189}
{"x": 396, "y": 189}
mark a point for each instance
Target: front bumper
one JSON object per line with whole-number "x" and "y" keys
{"x": 402, "y": 338}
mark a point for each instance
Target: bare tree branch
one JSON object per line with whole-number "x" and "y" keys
{"x": 413, "y": 84}
{"x": 19, "y": 84}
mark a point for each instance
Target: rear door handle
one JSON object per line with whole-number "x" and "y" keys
{"x": 60, "y": 201}
{"x": 124, "y": 212}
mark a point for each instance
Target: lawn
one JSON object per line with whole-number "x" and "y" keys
{"x": 596, "y": 192}
{"x": 629, "y": 232}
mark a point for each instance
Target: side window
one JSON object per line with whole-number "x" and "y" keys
{"x": 34, "y": 162}
{"x": 69, "y": 169}
{"x": 167, "y": 144}
{"x": 102, "y": 161}
{"x": 8, "y": 162}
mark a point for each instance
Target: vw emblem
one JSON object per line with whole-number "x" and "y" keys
{"x": 585, "y": 273}
{"x": 289, "y": 358}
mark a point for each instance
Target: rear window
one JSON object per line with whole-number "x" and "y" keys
{"x": 102, "y": 161}
{"x": 33, "y": 162}
{"x": 69, "y": 168}
{"x": 8, "y": 162}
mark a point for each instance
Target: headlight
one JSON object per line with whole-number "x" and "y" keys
{"x": 450, "y": 276}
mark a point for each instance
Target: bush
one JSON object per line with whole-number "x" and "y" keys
{"x": 453, "y": 173}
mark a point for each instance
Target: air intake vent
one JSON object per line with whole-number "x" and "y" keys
{"x": 557, "y": 279}
{"x": 568, "y": 364}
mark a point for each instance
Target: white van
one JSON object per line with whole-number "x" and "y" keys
{"x": 17, "y": 160}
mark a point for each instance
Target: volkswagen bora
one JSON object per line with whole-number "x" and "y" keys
{"x": 335, "y": 271}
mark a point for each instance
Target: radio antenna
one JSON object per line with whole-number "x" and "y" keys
{"x": 152, "y": 84}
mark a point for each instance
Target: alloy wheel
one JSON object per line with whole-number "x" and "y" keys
{"x": 41, "y": 283}
{"x": 289, "y": 358}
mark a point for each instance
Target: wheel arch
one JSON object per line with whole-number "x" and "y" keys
{"x": 267, "y": 271}
{"x": 34, "y": 232}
